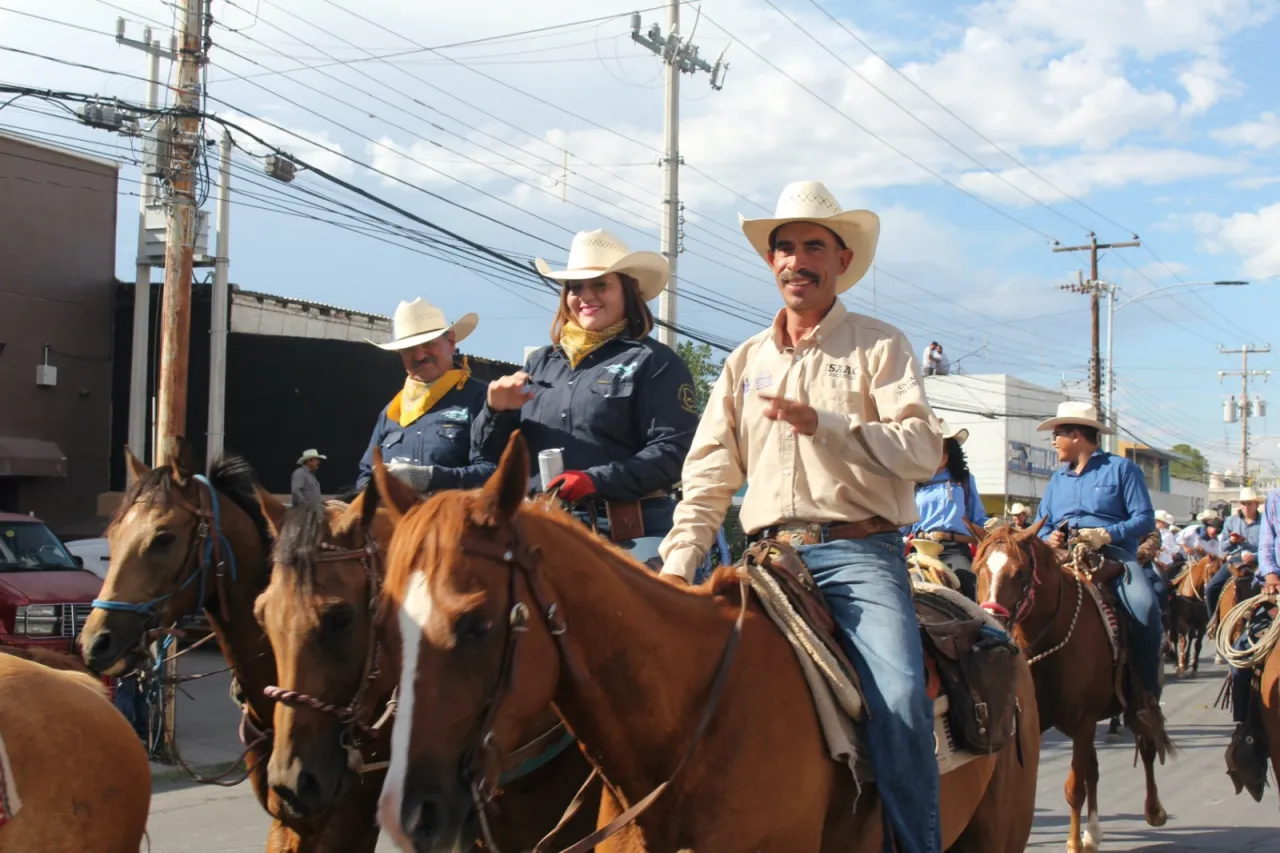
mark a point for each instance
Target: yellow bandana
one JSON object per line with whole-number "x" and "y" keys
{"x": 578, "y": 343}
{"x": 417, "y": 397}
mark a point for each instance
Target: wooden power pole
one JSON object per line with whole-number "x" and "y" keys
{"x": 180, "y": 231}
{"x": 1094, "y": 288}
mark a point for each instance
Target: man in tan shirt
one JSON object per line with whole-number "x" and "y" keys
{"x": 825, "y": 417}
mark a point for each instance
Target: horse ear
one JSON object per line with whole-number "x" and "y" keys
{"x": 182, "y": 459}
{"x": 135, "y": 468}
{"x": 398, "y": 496}
{"x": 979, "y": 533}
{"x": 272, "y": 510}
{"x": 1034, "y": 530}
{"x": 506, "y": 489}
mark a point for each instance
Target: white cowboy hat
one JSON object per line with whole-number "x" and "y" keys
{"x": 596, "y": 253}
{"x": 961, "y": 435}
{"x": 1248, "y": 495}
{"x": 1165, "y": 516}
{"x": 1208, "y": 515}
{"x": 810, "y": 201}
{"x": 1082, "y": 414}
{"x": 1019, "y": 509}
{"x": 420, "y": 322}
{"x": 310, "y": 453}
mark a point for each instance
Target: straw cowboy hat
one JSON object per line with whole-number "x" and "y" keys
{"x": 961, "y": 435}
{"x": 810, "y": 201}
{"x": 310, "y": 453}
{"x": 1248, "y": 495}
{"x": 1208, "y": 515}
{"x": 1018, "y": 509}
{"x": 1165, "y": 516}
{"x": 593, "y": 254}
{"x": 1080, "y": 414}
{"x": 420, "y": 322}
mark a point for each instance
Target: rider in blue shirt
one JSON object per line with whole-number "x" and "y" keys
{"x": 1105, "y": 499}
{"x": 1240, "y": 541}
{"x": 945, "y": 501}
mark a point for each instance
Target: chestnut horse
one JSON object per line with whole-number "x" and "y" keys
{"x": 1189, "y": 614}
{"x": 165, "y": 566}
{"x": 1057, "y": 623}
{"x": 1239, "y": 588}
{"x": 338, "y": 667}
{"x": 73, "y": 775}
{"x": 506, "y": 606}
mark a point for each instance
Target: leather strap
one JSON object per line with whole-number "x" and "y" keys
{"x": 832, "y": 532}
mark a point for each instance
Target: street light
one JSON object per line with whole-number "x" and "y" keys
{"x": 1112, "y": 308}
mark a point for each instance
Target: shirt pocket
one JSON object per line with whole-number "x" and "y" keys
{"x": 391, "y": 440}
{"x": 612, "y": 386}
{"x": 453, "y": 432}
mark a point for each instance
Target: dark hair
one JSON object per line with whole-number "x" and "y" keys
{"x": 773, "y": 236}
{"x": 635, "y": 311}
{"x": 957, "y": 464}
{"x": 1088, "y": 433}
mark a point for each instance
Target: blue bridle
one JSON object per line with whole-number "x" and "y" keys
{"x": 212, "y": 537}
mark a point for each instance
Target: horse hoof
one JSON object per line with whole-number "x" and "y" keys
{"x": 1159, "y": 818}
{"x": 1217, "y": 659}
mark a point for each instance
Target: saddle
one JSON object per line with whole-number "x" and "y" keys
{"x": 969, "y": 657}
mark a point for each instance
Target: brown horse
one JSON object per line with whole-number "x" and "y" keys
{"x": 338, "y": 668}
{"x": 164, "y": 566}
{"x": 74, "y": 777}
{"x": 1271, "y": 706}
{"x": 1238, "y": 589}
{"x": 1189, "y": 614}
{"x": 628, "y": 661}
{"x": 1071, "y": 658}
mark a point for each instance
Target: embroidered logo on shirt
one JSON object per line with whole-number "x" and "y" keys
{"x": 908, "y": 386}
{"x": 457, "y": 413}
{"x": 688, "y": 399}
{"x": 841, "y": 371}
{"x": 764, "y": 380}
{"x": 623, "y": 371}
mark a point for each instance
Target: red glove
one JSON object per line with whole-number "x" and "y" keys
{"x": 574, "y": 485}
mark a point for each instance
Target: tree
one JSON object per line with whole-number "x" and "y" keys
{"x": 703, "y": 367}
{"x": 1195, "y": 467}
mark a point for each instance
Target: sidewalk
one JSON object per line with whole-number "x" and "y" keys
{"x": 208, "y": 721}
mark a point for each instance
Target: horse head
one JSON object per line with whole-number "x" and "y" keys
{"x": 174, "y": 541}
{"x": 478, "y": 659}
{"x": 1007, "y": 566}
{"x": 318, "y": 612}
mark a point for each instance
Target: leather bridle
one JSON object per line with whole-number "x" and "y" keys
{"x": 522, "y": 561}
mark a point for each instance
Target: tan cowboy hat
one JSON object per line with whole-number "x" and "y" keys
{"x": 596, "y": 253}
{"x": 1208, "y": 515}
{"x": 420, "y": 322}
{"x": 810, "y": 201}
{"x": 961, "y": 435}
{"x": 1165, "y": 516}
{"x": 1082, "y": 414}
{"x": 310, "y": 453}
{"x": 1019, "y": 509}
{"x": 1248, "y": 495}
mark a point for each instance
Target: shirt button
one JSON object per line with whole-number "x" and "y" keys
{"x": 571, "y": 382}
{"x": 564, "y": 414}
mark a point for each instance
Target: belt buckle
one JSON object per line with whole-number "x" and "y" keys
{"x": 803, "y": 534}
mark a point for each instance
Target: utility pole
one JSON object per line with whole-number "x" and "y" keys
{"x": 179, "y": 249}
{"x": 139, "y": 384}
{"x": 220, "y": 308}
{"x": 679, "y": 56}
{"x": 1246, "y": 407}
{"x": 1095, "y": 288}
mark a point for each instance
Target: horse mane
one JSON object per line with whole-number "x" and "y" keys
{"x": 233, "y": 476}
{"x": 298, "y": 543}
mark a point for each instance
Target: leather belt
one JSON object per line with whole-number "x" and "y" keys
{"x": 797, "y": 533}
{"x": 946, "y": 536}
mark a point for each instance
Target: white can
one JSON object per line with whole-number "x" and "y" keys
{"x": 550, "y": 464}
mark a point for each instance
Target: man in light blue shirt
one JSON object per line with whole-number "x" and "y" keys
{"x": 1105, "y": 499}
{"x": 945, "y": 502}
{"x": 1240, "y": 540}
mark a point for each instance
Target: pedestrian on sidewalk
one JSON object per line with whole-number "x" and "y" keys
{"x": 305, "y": 487}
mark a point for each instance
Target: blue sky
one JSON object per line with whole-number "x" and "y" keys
{"x": 1155, "y": 118}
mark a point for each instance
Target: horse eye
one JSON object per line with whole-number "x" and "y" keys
{"x": 161, "y": 540}
{"x": 473, "y": 626}
{"x": 336, "y": 620}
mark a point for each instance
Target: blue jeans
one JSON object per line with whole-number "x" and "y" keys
{"x": 657, "y": 514}
{"x": 1213, "y": 589}
{"x": 1159, "y": 585}
{"x": 1138, "y": 597}
{"x": 866, "y": 586}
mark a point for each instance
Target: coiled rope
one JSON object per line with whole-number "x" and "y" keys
{"x": 1256, "y": 652}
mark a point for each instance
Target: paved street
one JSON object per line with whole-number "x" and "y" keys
{"x": 1203, "y": 813}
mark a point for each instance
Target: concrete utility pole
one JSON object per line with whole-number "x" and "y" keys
{"x": 1246, "y": 406}
{"x": 218, "y": 330}
{"x": 179, "y": 249}
{"x": 139, "y": 409}
{"x": 679, "y": 56}
{"x": 1095, "y": 288}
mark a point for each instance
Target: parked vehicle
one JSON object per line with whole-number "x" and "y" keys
{"x": 45, "y": 592}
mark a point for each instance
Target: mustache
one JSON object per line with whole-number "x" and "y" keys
{"x": 791, "y": 277}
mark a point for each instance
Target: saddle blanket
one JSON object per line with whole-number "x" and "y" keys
{"x": 10, "y": 802}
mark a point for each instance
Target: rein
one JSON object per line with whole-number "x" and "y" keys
{"x": 353, "y": 714}
{"x": 1026, "y": 601}
{"x": 521, "y": 561}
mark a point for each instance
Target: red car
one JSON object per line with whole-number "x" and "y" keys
{"x": 45, "y": 593}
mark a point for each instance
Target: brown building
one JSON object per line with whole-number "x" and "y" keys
{"x": 57, "y": 286}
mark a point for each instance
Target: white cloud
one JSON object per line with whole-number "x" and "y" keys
{"x": 1256, "y": 183}
{"x": 1207, "y": 81}
{"x": 1262, "y": 133}
{"x": 1250, "y": 236}
{"x": 312, "y": 146}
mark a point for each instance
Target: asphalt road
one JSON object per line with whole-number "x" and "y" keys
{"x": 1204, "y": 814}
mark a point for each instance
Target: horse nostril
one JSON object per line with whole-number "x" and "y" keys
{"x": 309, "y": 788}
{"x": 422, "y": 819}
{"x": 101, "y": 646}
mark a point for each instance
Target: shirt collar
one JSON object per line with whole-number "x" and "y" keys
{"x": 1088, "y": 466}
{"x": 833, "y": 318}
